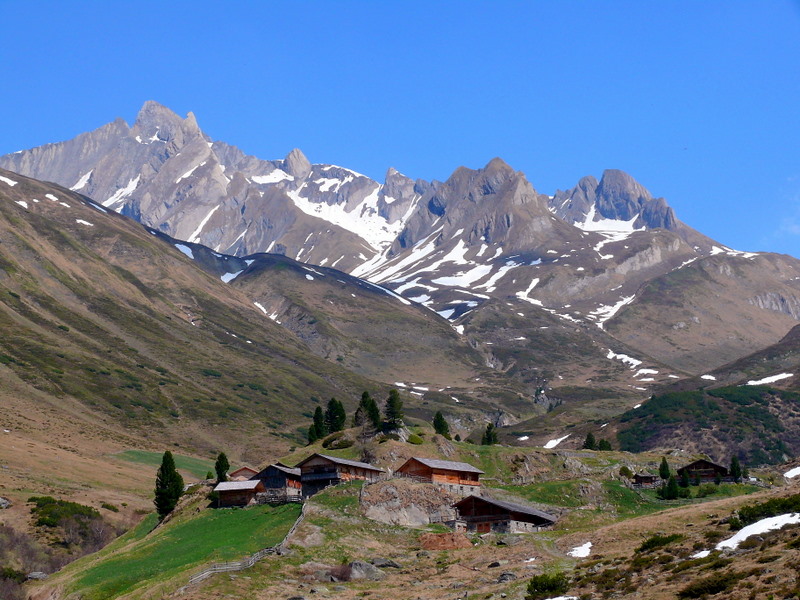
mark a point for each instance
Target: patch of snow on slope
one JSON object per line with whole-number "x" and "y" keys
{"x": 10, "y": 182}
{"x": 190, "y": 171}
{"x": 772, "y": 379}
{"x": 553, "y": 443}
{"x": 364, "y": 219}
{"x": 22, "y": 203}
{"x": 708, "y": 377}
{"x": 186, "y": 250}
{"x": 792, "y": 473}
{"x": 604, "y": 313}
{"x": 525, "y": 295}
{"x": 123, "y": 193}
{"x": 641, "y": 372}
{"x": 309, "y": 277}
{"x": 624, "y": 358}
{"x": 491, "y": 284}
{"x": 759, "y": 527}
{"x": 84, "y": 179}
{"x": 82, "y": 222}
{"x": 51, "y": 197}
{"x": 273, "y": 177}
{"x": 260, "y": 307}
{"x": 419, "y": 251}
{"x": 581, "y": 551}
{"x": 523, "y": 438}
{"x": 228, "y": 277}
{"x": 195, "y": 237}
{"x": 465, "y": 278}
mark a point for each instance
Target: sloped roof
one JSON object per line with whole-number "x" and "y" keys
{"x": 512, "y": 507}
{"x": 288, "y": 470}
{"x": 449, "y": 465}
{"x": 233, "y": 473}
{"x": 229, "y": 486}
{"x": 340, "y": 461}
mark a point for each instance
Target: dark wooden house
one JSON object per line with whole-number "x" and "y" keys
{"x": 238, "y": 493}
{"x": 319, "y": 471}
{"x": 457, "y": 477}
{"x": 483, "y": 515}
{"x": 645, "y": 480}
{"x": 281, "y": 483}
{"x": 704, "y": 470}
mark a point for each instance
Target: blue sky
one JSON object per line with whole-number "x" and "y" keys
{"x": 697, "y": 100}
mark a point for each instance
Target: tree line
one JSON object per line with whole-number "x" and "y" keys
{"x": 368, "y": 414}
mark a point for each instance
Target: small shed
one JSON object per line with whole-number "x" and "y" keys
{"x": 645, "y": 480}
{"x": 238, "y": 493}
{"x": 457, "y": 477}
{"x": 483, "y": 515}
{"x": 704, "y": 470}
{"x": 282, "y": 483}
{"x": 319, "y": 471}
{"x": 242, "y": 474}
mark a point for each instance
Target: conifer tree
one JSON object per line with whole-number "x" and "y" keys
{"x": 221, "y": 467}
{"x": 489, "y": 436}
{"x": 589, "y": 443}
{"x": 604, "y": 445}
{"x": 736, "y": 469}
{"x": 169, "y": 486}
{"x": 663, "y": 469}
{"x": 335, "y": 416}
{"x": 684, "y": 482}
{"x": 394, "y": 410}
{"x": 319, "y": 423}
{"x": 440, "y": 425}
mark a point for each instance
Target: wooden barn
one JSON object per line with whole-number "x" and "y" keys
{"x": 483, "y": 515}
{"x": 281, "y": 483}
{"x": 457, "y": 477}
{"x": 645, "y": 480}
{"x": 242, "y": 474}
{"x": 238, "y": 493}
{"x": 705, "y": 470}
{"x": 319, "y": 471}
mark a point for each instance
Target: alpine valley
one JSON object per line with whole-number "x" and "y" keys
{"x": 162, "y": 289}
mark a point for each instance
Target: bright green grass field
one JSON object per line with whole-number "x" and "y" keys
{"x": 211, "y": 536}
{"x": 196, "y": 466}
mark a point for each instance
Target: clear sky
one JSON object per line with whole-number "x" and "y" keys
{"x": 699, "y": 101}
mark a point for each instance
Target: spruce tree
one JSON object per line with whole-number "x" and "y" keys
{"x": 169, "y": 486}
{"x": 312, "y": 434}
{"x": 604, "y": 445}
{"x": 589, "y": 443}
{"x": 373, "y": 412}
{"x": 319, "y": 424}
{"x": 221, "y": 467}
{"x": 335, "y": 416}
{"x": 440, "y": 425}
{"x": 663, "y": 469}
{"x": 489, "y": 436}
{"x": 736, "y": 469}
{"x": 394, "y": 410}
{"x": 684, "y": 482}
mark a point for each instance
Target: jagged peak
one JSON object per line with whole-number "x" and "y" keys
{"x": 296, "y": 164}
{"x": 617, "y": 183}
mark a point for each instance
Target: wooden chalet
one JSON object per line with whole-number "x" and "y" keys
{"x": 238, "y": 493}
{"x": 242, "y": 474}
{"x": 457, "y": 477}
{"x": 281, "y": 483}
{"x": 704, "y": 470}
{"x": 484, "y": 515}
{"x": 319, "y": 471}
{"x": 645, "y": 480}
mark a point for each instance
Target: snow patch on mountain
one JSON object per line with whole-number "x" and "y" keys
{"x": 122, "y": 193}
{"x": 772, "y": 379}
{"x": 82, "y": 181}
{"x": 195, "y": 237}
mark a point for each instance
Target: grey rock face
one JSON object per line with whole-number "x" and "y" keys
{"x": 4, "y": 503}
{"x": 364, "y": 570}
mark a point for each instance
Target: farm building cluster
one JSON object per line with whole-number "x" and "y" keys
{"x": 475, "y": 512}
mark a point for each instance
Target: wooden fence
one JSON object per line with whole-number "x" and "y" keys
{"x": 245, "y": 563}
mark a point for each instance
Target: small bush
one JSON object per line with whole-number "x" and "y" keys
{"x": 415, "y": 439}
{"x": 626, "y": 472}
{"x": 50, "y": 512}
{"x": 210, "y": 373}
{"x": 658, "y": 541}
{"x": 713, "y": 584}
{"x": 547, "y": 584}
{"x": 110, "y": 507}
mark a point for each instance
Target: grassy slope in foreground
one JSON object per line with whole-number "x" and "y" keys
{"x": 196, "y": 466}
{"x": 186, "y": 542}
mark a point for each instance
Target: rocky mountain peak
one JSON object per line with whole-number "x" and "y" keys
{"x": 296, "y": 164}
{"x": 156, "y": 122}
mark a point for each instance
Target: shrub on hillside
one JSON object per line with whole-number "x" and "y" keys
{"x": 658, "y": 541}
{"x": 713, "y": 584}
{"x": 414, "y": 439}
{"x": 547, "y": 584}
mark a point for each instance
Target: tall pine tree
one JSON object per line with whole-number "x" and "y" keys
{"x": 169, "y": 486}
{"x": 663, "y": 469}
{"x": 335, "y": 416}
{"x": 489, "y": 436}
{"x": 736, "y": 469}
{"x": 394, "y": 410}
{"x": 440, "y": 425}
{"x": 317, "y": 429}
{"x": 221, "y": 467}
{"x": 367, "y": 413}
